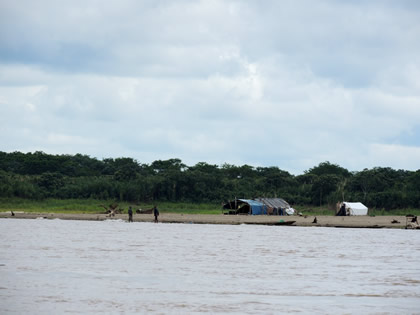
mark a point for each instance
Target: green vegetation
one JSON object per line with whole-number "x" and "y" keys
{"x": 190, "y": 208}
{"x": 403, "y": 212}
{"x": 94, "y": 206}
{"x": 53, "y": 205}
{"x": 36, "y": 181}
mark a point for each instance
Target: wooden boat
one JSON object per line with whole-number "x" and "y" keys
{"x": 272, "y": 223}
{"x": 359, "y": 226}
{"x": 284, "y": 223}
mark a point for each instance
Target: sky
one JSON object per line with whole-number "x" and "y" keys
{"x": 289, "y": 84}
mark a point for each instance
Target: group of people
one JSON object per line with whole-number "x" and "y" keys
{"x": 155, "y": 213}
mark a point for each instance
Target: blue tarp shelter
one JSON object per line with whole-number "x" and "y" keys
{"x": 256, "y": 206}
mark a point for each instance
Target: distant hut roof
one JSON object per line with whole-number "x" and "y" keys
{"x": 274, "y": 202}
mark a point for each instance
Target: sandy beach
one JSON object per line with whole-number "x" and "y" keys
{"x": 322, "y": 221}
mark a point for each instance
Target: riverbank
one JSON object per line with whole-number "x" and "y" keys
{"x": 321, "y": 221}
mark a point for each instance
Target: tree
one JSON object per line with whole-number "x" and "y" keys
{"x": 37, "y": 175}
{"x": 326, "y": 168}
{"x": 323, "y": 185}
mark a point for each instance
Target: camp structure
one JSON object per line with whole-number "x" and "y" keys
{"x": 352, "y": 208}
{"x": 245, "y": 206}
{"x": 258, "y": 206}
{"x": 277, "y": 206}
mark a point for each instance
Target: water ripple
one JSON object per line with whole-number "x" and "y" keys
{"x": 57, "y": 266}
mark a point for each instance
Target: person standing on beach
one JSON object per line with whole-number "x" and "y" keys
{"x": 130, "y": 214}
{"x": 156, "y": 214}
{"x": 342, "y": 211}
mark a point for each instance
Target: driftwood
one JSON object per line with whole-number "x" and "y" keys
{"x": 412, "y": 222}
{"x": 112, "y": 210}
{"x": 145, "y": 211}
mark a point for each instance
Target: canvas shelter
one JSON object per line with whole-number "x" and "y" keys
{"x": 277, "y": 206}
{"x": 274, "y": 202}
{"x": 354, "y": 208}
{"x": 245, "y": 206}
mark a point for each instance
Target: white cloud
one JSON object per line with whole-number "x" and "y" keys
{"x": 393, "y": 155}
{"x": 290, "y": 84}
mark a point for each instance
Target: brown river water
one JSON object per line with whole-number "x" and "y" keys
{"x": 57, "y": 266}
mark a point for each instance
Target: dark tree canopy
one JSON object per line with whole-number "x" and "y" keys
{"x": 40, "y": 175}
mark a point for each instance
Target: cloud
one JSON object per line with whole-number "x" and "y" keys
{"x": 290, "y": 84}
{"x": 395, "y": 156}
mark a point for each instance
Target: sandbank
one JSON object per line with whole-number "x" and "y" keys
{"x": 322, "y": 221}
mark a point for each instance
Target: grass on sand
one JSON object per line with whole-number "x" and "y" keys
{"x": 94, "y": 206}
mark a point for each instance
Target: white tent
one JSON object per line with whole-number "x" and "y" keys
{"x": 356, "y": 208}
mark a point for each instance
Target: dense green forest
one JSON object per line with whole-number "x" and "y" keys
{"x": 39, "y": 175}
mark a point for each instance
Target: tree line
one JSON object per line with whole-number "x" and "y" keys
{"x": 39, "y": 175}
